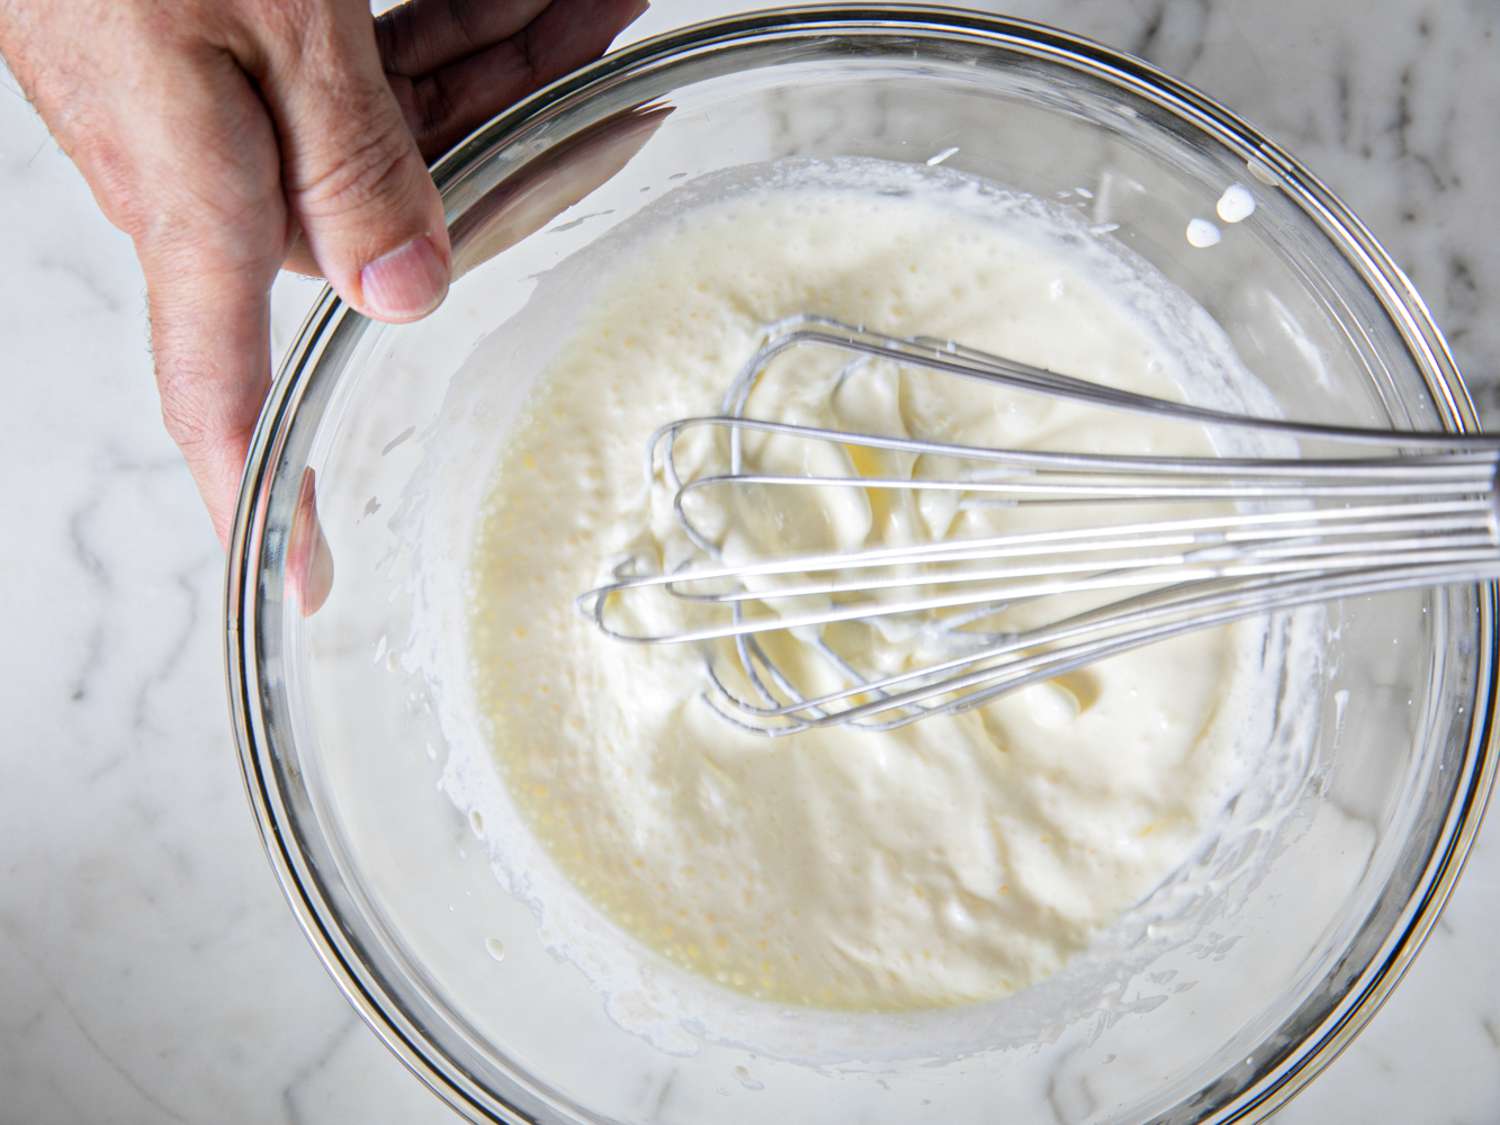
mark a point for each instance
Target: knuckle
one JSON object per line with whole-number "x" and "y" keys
{"x": 113, "y": 178}
{"x": 404, "y": 90}
{"x": 210, "y": 229}
{"x": 372, "y": 169}
{"x": 530, "y": 56}
{"x": 236, "y": 212}
{"x": 213, "y": 249}
{"x": 192, "y": 414}
{"x": 87, "y": 135}
{"x": 296, "y": 27}
{"x": 182, "y": 410}
{"x": 468, "y": 20}
{"x": 433, "y": 103}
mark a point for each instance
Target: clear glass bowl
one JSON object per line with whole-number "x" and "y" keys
{"x": 341, "y": 729}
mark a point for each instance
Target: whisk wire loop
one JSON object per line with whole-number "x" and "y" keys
{"x": 1417, "y": 510}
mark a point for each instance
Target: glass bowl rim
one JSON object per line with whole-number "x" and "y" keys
{"x": 369, "y": 995}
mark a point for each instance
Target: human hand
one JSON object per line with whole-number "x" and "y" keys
{"x": 228, "y": 138}
{"x": 490, "y": 225}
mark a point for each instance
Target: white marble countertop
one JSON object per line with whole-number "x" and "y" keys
{"x": 149, "y": 970}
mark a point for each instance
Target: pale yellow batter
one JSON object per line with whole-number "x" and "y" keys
{"x": 957, "y": 859}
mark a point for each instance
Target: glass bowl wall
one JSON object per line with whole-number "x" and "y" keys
{"x": 393, "y": 429}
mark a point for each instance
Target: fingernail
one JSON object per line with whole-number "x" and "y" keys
{"x": 408, "y": 282}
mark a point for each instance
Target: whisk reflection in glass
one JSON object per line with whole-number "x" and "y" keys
{"x": 880, "y": 637}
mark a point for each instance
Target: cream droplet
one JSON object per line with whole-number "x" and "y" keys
{"x": 1236, "y": 204}
{"x": 495, "y": 948}
{"x": 1202, "y": 234}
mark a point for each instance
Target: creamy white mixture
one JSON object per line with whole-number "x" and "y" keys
{"x": 957, "y": 859}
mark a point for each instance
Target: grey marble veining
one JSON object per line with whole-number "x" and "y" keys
{"x": 149, "y": 971}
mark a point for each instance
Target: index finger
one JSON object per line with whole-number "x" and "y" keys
{"x": 211, "y": 237}
{"x": 210, "y": 332}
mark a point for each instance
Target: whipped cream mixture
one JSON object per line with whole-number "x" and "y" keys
{"x": 954, "y": 860}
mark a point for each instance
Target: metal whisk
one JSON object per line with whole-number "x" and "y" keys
{"x": 1418, "y": 509}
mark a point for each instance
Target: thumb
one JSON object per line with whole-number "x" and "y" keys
{"x": 352, "y": 174}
